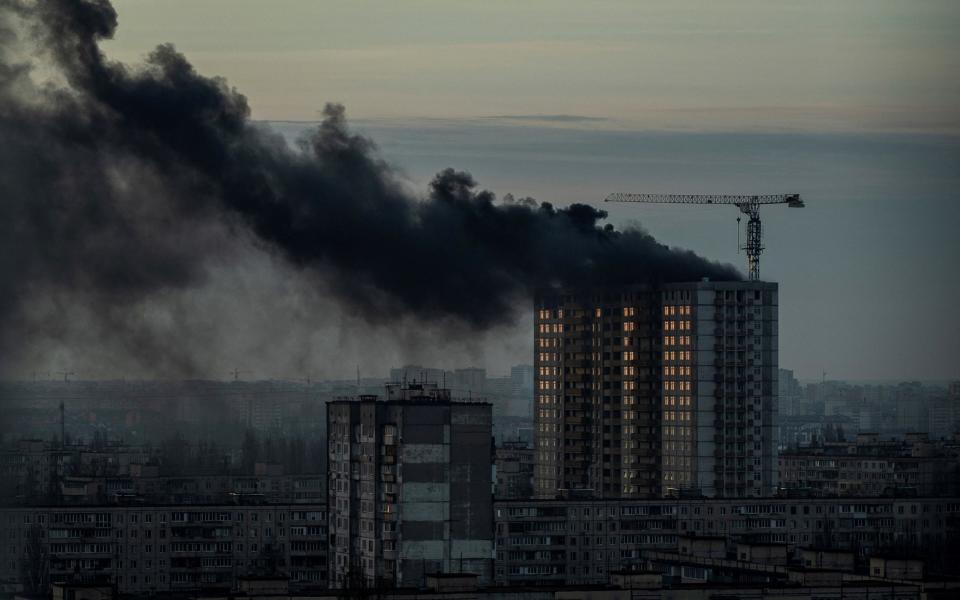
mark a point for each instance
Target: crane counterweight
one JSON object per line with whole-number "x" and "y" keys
{"x": 748, "y": 205}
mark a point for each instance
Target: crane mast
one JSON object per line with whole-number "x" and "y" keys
{"x": 748, "y": 205}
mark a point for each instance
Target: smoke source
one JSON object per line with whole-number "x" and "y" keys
{"x": 121, "y": 184}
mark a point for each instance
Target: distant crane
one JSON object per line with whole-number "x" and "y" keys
{"x": 748, "y": 205}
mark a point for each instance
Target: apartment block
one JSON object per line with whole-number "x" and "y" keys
{"x": 410, "y": 487}
{"x": 514, "y": 470}
{"x": 643, "y": 391}
{"x": 597, "y": 386}
{"x": 576, "y": 542}
{"x": 144, "y": 549}
{"x": 720, "y": 381}
{"x": 911, "y": 466}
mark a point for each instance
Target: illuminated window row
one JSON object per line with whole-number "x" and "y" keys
{"x": 674, "y": 325}
{"x": 669, "y": 311}
{"x": 546, "y": 313}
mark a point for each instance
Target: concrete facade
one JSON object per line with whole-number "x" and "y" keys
{"x": 144, "y": 549}
{"x": 410, "y": 487}
{"x": 720, "y": 381}
{"x": 574, "y": 542}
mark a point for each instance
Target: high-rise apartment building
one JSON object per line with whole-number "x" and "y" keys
{"x": 597, "y": 410}
{"x": 410, "y": 487}
{"x": 649, "y": 390}
{"x": 719, "y": 386}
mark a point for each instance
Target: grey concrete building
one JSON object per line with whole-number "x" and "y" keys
{"x": 514, "y": 470}
{"x": 576, "y": 542}
{"x": 145, "y": 549}
{"x": 410, "y": 487}
{"x": 720, "y": 380}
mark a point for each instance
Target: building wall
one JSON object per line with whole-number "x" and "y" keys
{"x": 644, "y": 391}
{"x": 514, "y": 468}
{"x": 597, "y": 392}
{"x": 566, "y": 542}
{"x": 832, "y": 475}
{"x": 145, "y": 549}
{"x": 410, "y": 486}
{"x": 720, "y": 380}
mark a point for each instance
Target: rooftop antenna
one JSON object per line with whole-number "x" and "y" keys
{"x": 66, "y": 375}
{"x": 63, "y": 428}
{"x": 237, "y": 373}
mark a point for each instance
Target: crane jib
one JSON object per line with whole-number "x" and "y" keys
{"x": 748, "y": 204}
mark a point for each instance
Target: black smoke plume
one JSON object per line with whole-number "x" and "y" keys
{"x": 113, "y": 178}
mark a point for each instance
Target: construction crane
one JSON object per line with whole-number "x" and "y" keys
{"x": 748, "y": 205}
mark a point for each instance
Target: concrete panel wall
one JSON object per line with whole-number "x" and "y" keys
{"x": 414, "y": 433}
{"x": 425, "y": 492}
{"x": 425, "y": 511}
{"x": 424, "y": 453}
{"x": 423, "y": 549}
{"x": 413, "y": 472}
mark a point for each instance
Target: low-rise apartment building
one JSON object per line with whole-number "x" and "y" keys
{"x": 582, "y": 541}
{"x": 171, "y": 548}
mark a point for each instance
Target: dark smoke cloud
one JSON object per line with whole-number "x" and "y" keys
{"x": 120, "y": 184}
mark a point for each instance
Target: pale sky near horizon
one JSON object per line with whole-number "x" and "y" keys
{"x": 853, "y": 104}
{"x": 819, "y": 65}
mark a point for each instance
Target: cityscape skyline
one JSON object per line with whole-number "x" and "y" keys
{"x": 438, "y": 301}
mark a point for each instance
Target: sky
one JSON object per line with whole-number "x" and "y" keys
{"x": 851, "y": 104}
{"x": 817, "y": 65}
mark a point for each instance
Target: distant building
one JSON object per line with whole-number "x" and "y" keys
{"x": 871, "y": 467}
{"x": 409, "y": 487}
{"x": 588, "y": 541}
{"x": 514, "y": 468}
{"x": 943, "y": 416}
{"x": 790, "y": 394}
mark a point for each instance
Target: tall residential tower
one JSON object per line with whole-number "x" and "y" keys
{"x": 644, "y": 391}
